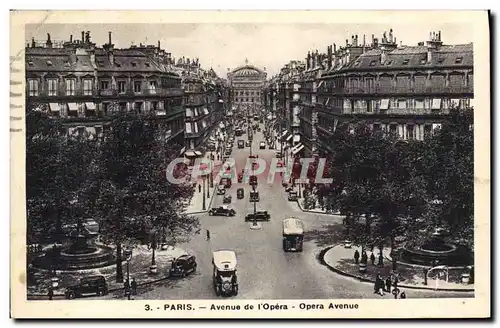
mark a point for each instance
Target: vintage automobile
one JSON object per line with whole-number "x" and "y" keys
{"x": 271, "y": 145}
{"x": 92, "y": 285}
{"x": 248, "y": 143}
{"x": 293, "y": 234}
{"x": 228, "y": 151}
{"x": 262, "y": 145}
{"x": 254, "y": 196}
{"x": 227, "y": 199}
{"x": 182, "y": 266}
{"x": 224, "y": 273}
{"x": 278, "y": 154}
{"x": 292, "y": 196}
{"x": 241, "y": 143}
{"x": 240, "y": 193}
{"x": 258, "y": 216}
{"x": 223, "y": 210}
{"x": 221, "y": 190}
{"x": 253, "y": 180}
{"x": 240, "y": 177}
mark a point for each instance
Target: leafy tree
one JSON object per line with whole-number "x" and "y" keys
{"x": 449, "y": 167}
{"x": 56, "y": 170}
{"x": 134, "y": 195}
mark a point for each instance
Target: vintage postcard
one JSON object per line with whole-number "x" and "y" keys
{"x": 320, "y": 164}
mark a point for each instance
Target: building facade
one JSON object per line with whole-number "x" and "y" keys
{"x": 247, "y": 83}
{"x": 84, "y": 85}
{"x": 406, "y": 90}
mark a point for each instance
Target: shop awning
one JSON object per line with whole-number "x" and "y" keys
{"x": 73, "y": 106}
{"x": 54, "y": 107}
{"x": 384, "y": 104}
{"x": 436, "y": 103}
{"x": 296, "y": 138}
{"x": 90, "y": 106}
{"x": 198, "y": 153}
{"x": 189, "y": 153}
{"x": 289, "y": 137}
{"x": 297, "y": 148}
{"x": 284, "y": 134}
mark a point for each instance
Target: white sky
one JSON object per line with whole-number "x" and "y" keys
{"x": 223, "y": 46}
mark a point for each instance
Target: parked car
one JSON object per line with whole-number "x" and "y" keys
{"x": 292, "y": 196}
{"x": 182, "y": 266}
{"x": 254, "y": 196}
{"x": 93, "y": 285}
{"x": 227, "y": 199}
{"x": 223, "y": 210}
{"x": 248, "y": 143}
{"x": 221, "y": 189}
{"x": 240, "y": 193}
{"x": 253, "y": 180}
{"x": 262, "y": 145}
{"x": 258, "y": 216}
{"x": 241, "y": 143}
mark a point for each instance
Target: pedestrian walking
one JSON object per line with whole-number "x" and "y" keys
{"x": 199, "y": 188}
{"x": 388, "y": 284}
{"x": 372, "y": 259}
{"x": 208, "y": 234}
{"x": 133, "y": 286}
{"x": 356, "y": 257}
{"x": 364, "y": 257}
{"x": 403, "y": 295}
{"x": 51, "y": 293}
{"x": 380, "y": 285}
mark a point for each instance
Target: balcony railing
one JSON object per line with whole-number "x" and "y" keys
{"x": 396, "y": 90}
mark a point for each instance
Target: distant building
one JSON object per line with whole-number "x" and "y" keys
{"x": 406, "y": 90}
{"x": 247, "y": 82}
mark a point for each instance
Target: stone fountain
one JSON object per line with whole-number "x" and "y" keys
{"x": 436, "y": 252}
{"x": 81, "y": 253}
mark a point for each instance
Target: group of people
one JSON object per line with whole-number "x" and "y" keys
{"x": 130, "y": 287}
{"x": 364, "y": 257}
{"x": 381, "y": 286}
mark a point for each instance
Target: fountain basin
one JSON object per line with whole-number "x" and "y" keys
{"x": 441, "y": 254}
{"x": 94, "y": 257}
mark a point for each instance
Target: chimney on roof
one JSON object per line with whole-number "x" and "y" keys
{"x": 49, "y": 42}
{"x": 433, "y": 44}
{"x": 91, "y": 52}
{"x": 109, "y": 37}
{"x": 159, "y": 45}
{"x": 391, "y": 36}
{"x": 329, "y": 57}
{"x": 346, "y": 42}
{"x": 83, "y": 36}
{"x": 71, "y": 38}
{"x": 33, "y": 44}
{"x": 375, "y": 43}
{"x": 307, "y": 59}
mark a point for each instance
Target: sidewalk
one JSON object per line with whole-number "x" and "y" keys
{"x": 341, "y": 260}
{"x": 139, "y": 269}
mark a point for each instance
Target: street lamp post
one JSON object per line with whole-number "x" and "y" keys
{"x": 204, "y": 206}
{"x": 128, "y": 256}
{"x": 208, "y": 188}
{"x": 154, "y": 244}
{"x": 299, "y": 195}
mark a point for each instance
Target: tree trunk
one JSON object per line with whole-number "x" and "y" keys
{"x": 119, "y": 268}
{"x": 393, "y": 254}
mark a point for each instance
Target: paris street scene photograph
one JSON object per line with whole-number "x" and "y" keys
{"x": 219, "y": 161}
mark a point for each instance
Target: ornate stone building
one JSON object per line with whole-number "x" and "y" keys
{"x": 406, "y": 90}
{"x": 247, "y": 82}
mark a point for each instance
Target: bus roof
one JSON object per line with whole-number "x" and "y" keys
{"x": 292, "y": 226}
{"x": 224, "y": 259}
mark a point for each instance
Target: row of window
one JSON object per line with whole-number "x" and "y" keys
{"x": 247, "y": 100}
{"x": 247, "y": 93}
{"x": 404, "y": 81}
{"x": 401, "y": 103}
{"x": 195, "y": 127}
{"x": 88, "y": 86}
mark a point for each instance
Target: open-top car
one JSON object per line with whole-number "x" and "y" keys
{"x": 92, "y": 285}
{"x": 183, "y": 265}
{"x": 227, "y": 199}
{"x": 258, "y": 216}
{"x": 223, "y": 210}
{"x": 224, "y": 273}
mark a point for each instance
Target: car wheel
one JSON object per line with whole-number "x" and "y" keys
{"x": 71, "y": 295}
{"x": 98, "y": 293}
{"x": 228, "y": 214}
